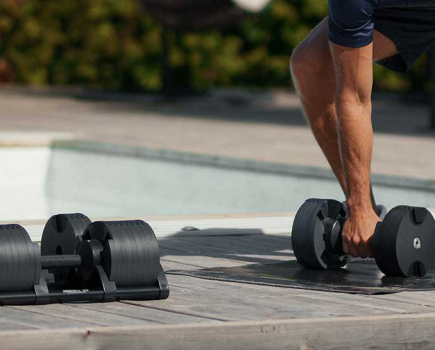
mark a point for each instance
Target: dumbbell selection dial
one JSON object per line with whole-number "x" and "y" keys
{"x": 61, "y": 235}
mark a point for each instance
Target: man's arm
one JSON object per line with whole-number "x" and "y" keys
{"x": 354, "y": 78}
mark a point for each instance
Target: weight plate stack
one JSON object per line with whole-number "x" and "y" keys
{"x": 308, "y": 234}
{"x": 61, "y": 235}
{"x": 130, "y": 255}
{"x": 405, "y": 242}
{"x": 20, "y": 267}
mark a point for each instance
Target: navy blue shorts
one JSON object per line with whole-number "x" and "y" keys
{"x": 410, "y": 24}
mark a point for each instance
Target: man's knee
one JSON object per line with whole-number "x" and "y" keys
{"x": 300, "y": 62}
{"x": 308, "y": 62}
{"x": 312, "y": 56}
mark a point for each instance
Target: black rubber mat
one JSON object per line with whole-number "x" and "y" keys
{"x": 359, "y": 277}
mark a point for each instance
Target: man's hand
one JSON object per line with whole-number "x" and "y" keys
{"x": 358, "y": 231}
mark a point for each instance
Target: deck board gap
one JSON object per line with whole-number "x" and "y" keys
{"x": 57, "y": 316}
{"x": 115, "y": 314}
{"x": 174, "y": 311}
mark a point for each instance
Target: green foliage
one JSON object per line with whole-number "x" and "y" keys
{"x": 114, "y": 45}
{"x": 106, "y": 43}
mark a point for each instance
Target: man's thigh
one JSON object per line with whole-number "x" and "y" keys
{"x": 383, "y": 47}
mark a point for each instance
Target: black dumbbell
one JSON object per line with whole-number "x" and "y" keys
{"x": 403, "y": 243}
{"x": 129, "y": 244}
{"x": 108, "y": 261}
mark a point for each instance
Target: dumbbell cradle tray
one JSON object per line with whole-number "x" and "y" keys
{"x": 80, "y": 261}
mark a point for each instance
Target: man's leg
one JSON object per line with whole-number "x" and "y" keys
{"x": 313, "y": 75}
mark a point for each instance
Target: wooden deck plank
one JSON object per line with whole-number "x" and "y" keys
{"x": 234, "y": 301}
{"x": 381, "y": 332}
{"x": 181, "y": 251}
{"x": 202, "y": 261}
{"x": 8, "y": 325}
{"x": 426, "y": 298}
{"x": 168, "y": 264}
{"x": 394, "y": 304}
{"x": 151, "y": 314}
{"x": 76, "y": 313}
{"x": 195, "y": 300}
{"x": 311, "y": 303}
{"x": 225, "y": 246}
{"x": 17, "y": 319}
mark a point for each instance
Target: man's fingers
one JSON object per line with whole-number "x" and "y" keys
{"x": 348, "y": 248}
{"x": 357, "y": 234}
{"x": 345, "y": 247}
{"x": 352, "y": 250}
{"x": 354, "y": 253}
{"x": 356, "y": 249}
{"x": 362, "y": 252}
{"x": 361, "y": 249}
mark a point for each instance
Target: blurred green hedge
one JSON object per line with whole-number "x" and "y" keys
{"x": 113, "y": 44}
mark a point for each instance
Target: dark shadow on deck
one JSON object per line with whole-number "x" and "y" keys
{"x": 269, "y": 260}
{"x": 253, "y": 247}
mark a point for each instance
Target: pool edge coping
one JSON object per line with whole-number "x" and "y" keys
{"x": 195, "y": 225}
{"x": 219, "y": 161}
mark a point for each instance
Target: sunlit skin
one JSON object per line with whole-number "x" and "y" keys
{"x": 335, "y": 85}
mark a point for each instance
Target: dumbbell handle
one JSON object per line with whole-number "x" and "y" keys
{"x": 333, "y": 239}
{"x": 60, "y": 261}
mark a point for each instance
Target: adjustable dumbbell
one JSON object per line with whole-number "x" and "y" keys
{"x": 403, "y": 243}
{"x": 108, "y": 261}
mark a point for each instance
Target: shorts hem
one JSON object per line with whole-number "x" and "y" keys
{"x": 403, "y": 60}
{"x": 345, "y": 42}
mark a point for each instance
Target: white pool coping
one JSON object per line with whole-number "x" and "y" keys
{"x": 199, "y": 225}
{"x": 203, "y": 225}
{"x": 80, "y": 145}
{"x": 33, "y": 138}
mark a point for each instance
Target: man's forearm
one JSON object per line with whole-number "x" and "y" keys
{"x": 356, "y": 144}
{"x": 353, "y": 69}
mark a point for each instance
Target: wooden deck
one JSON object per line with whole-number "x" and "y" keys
{"x": 204, "y": 314}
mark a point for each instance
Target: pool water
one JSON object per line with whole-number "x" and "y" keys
{"x": 112, "y": 181}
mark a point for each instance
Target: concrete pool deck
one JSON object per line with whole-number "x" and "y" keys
{"x": 210, "y": 314}
{"x": 251, "y": 125}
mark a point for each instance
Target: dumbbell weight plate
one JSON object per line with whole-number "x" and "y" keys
{"x": 308, "y": 239}
{"x": 19, "y": 268}
{"x": 61, "y": 235}
{"x": 405, "y": 242}
{"x": 130, "y": 253}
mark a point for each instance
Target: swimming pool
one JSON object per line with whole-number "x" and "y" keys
{"x": 103, "y": 180}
